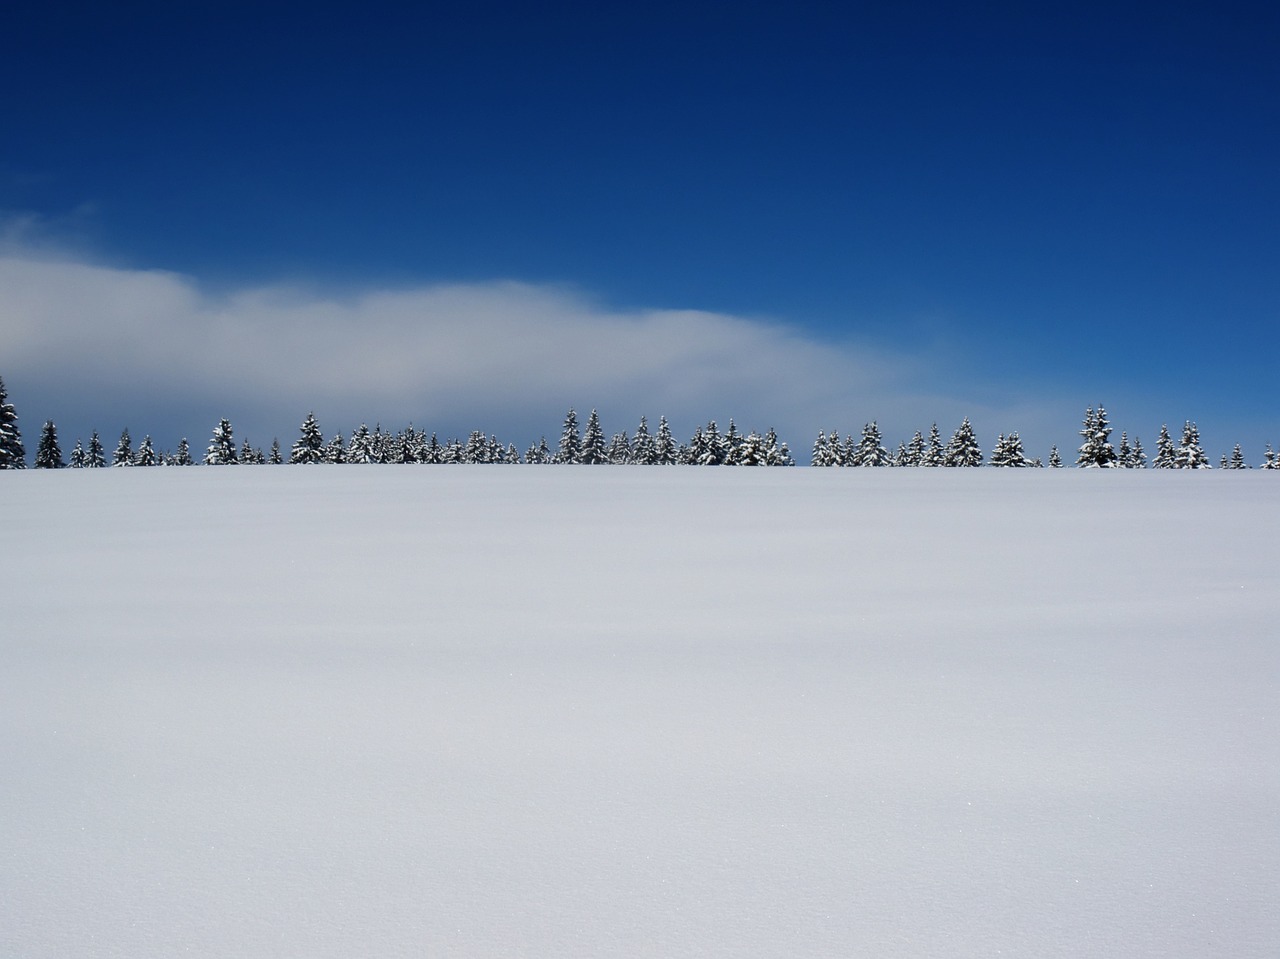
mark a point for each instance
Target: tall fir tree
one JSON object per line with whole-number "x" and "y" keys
{"x": 666, "y": 451}
{"x": 13, "y": 456}
{"x": 644, "y": 451}
{"x": 570, "y": 450}
{"x": 222, "y": 446}
{"x": 308, "y": 449}
{"x": 123, "y": 455}
{"x": 1166, "y": 452}
{"x": 593, "y": 452}
{"x": 96, "y": 457}
{"x": 48, "y": 452}
{"x": 936, "y": 454}
{"x": 963, "y": 450}
{"x": 1190, "y": 455}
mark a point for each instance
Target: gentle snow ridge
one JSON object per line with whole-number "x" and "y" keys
{"x": 563, "y": 711}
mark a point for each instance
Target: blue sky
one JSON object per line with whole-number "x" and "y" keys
{"x": 925, "y": 210}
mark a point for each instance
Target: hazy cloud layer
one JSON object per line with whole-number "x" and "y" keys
{"x": 103, "y": 347}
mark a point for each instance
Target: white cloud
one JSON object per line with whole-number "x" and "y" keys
{"x": 506, "y": 357}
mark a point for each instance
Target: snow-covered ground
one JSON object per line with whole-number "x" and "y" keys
{"x": 491, "y": 711}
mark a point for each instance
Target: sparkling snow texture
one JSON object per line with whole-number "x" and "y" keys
{"x": 547, "y": 711}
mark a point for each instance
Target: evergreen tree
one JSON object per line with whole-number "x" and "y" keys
{"x": 308, "y": 449}
{"x": 1138, "y": 456}
{"x": 77, "y": 456}
{"x": 1270, "y": 462}
{"x": 1166, "y": 452}
{"x": 821, "y": 455}
{"x": 48, "y": 452}
{"x": 1237, "y": 459}
{"x": 935, "y": 455}
{"x": 183, "y": 456}
{"x": 731, "y": 444}
{"x": 711, "y": 449}
{"x": 1096, "y": 450}
{"x": 570, "y": 440}
{"x": 870, "y": 450}
{"x": 146, "y": 455}
{"x": 222, "y": 446}
{"x": 123, "y": 455}
{"x": 963, "y": 450}
{"x": 96, "y": 458}
{"x": 1190, "y": 456}
{"x": 360, "y": 449}
{"x": 246, "y": 454}
{"x": 13, "y": 456}
{"x": 593, "y": 452}
{"x": 644, "y": 451}
{"x": 276, "y": 458}
{"x": 1009, "y": 452}
{"x": 1124, "y": 455}
{"x": 666, "y": 452}
{"x": 512, "y": 454}
{"x": 619, "y": 453}
{"x": 1055, "y": 459}
{"x": 539, "y": 454}
{"x": 917, "y": 450}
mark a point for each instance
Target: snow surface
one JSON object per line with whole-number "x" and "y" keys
{"x": 548, "y": 711}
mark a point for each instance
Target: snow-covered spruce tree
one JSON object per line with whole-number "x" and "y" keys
{"x": 1009, "y": 452}
{"x": 1096, "y": 450}
{"x": 433, "y": 452}
{"x": 246, "y": 454}
{"x": 731, "y": 444}
{"x": 1166, "y": 452}
{"x": 1055, "y": 459}
{"x": 275, "y": 457}
{"x": 644, "y": 451}
{"x": 539, "y": 454}
{"x": 95, "y": 457}
{"x": 821, "y": 454}
{"x": 308, "y": 449}
{"x": 183, "y": 456}
{"x": 1190, "y": 456}
{"x": 666, "y": 451}
{"x": 1237, "y": 459}
{"x": 360, "y": 449}
{"x": 1269, "y": 461}
{"x": 712, "y": 451}
{"x": 916, "y": 450}
{"x": 13, "y": 456}
{"x": 76, "y": 460}
{"x": 1124, "y": 455}
{"x": 48, "y": 452}
{"x": 593, "y": 452}
{"x": 619, "y": 452}
{"x": 146, "y": 455}
{"x": 123, "y": 455}
{"x": 512, "y": 455}
{"x": 963, "y": 450}
{"x": 936, "y": 454}
{"x": 570, "y": 450}
{"x": 870, "y": 450}
{"x": 1138, "y": 457}
{"x": 222, "y": 446}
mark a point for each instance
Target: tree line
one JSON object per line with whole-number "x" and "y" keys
{"x": 709, "y": 446}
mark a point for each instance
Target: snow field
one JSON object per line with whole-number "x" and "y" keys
{"x": 566, "y": 711}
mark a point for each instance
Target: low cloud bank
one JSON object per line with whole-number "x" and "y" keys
{"x": 103, "y": 347}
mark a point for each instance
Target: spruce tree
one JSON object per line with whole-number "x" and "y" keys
{"x": 146, "y": 455}
{"x": 1270, "y": 461}
{"x": 593, "y": 452}
{"x": 935, "y": 455}
{"x": 76, "y": 460}
{"x": 308, "y": 449}
{"x": 1008, "y": 452}
{"x": 570, "y": 440}
{"x": 1096, "y": 450}
{"x": 870, "y": 450}
{"x": 1166, "y": 452}
{"x": 1237, "y": 459}
{"x": 1138, "y": 457}
{"x": 666, "y": 452}
{"x": 916, "y": 450}
{"x": 123, "y": 455}
{"x": 619, "y": 453}
{"x": 183, "y": 456}
{"x": 644, "y": 451}
{"x": 13, "y": 456}
{"x": 821, "y": 455}
{"x": 963, "y": 450}
{"x": 222, "y": 446}
{"x": 48, "y": 453}
{"x": 96, "y": 457}
{"x": 1055, "y": 459}
{"x": 1190, "y": 456}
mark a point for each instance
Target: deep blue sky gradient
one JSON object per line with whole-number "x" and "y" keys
{"x": 1081, "y": 196}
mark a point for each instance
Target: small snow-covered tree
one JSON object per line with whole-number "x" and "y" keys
{"x": 146, "y": 455}
{"x": 666, "y": 451}
{"x": 308, "y": 448}
{"x": 1096, "y": 450}
{"x": 1055, "y": 459}
{"x": 821, "y": 455}
{"x": 1124, "y": 455}
{"x": 1138, "y": 456}
{"x": 183, "y": 456}
{"x": 48, "y": 452}
{"x": 1009, "y": 452}
{"x": 76, "y": 460}
{"x": 1166, "y": 452}
{"x": 222, "y": 446}
{"x": 963, "y": 450}
{"x": 1270, "y": 461}
{"x": 1237, "y": 459}
{"x": 539, "y": 454}
{"x": 917, "y": 450}
{"x": 870, "y": 450}
{"x": 96, "y": 456}
{"x": 619, "y": 452}
{"x": 275, "y": 457}
{"x": 644, "y": 451}
{"x": 593, "y": 452}
{"x": 123, "y": 455}
{"x": 570, "y": 450}
{"x": 1190, "y": 455}
{"x": 13, "y": 456}
{"x": 936, "y": 454}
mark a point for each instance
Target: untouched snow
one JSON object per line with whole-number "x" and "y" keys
{"x": 541, "y": 711}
